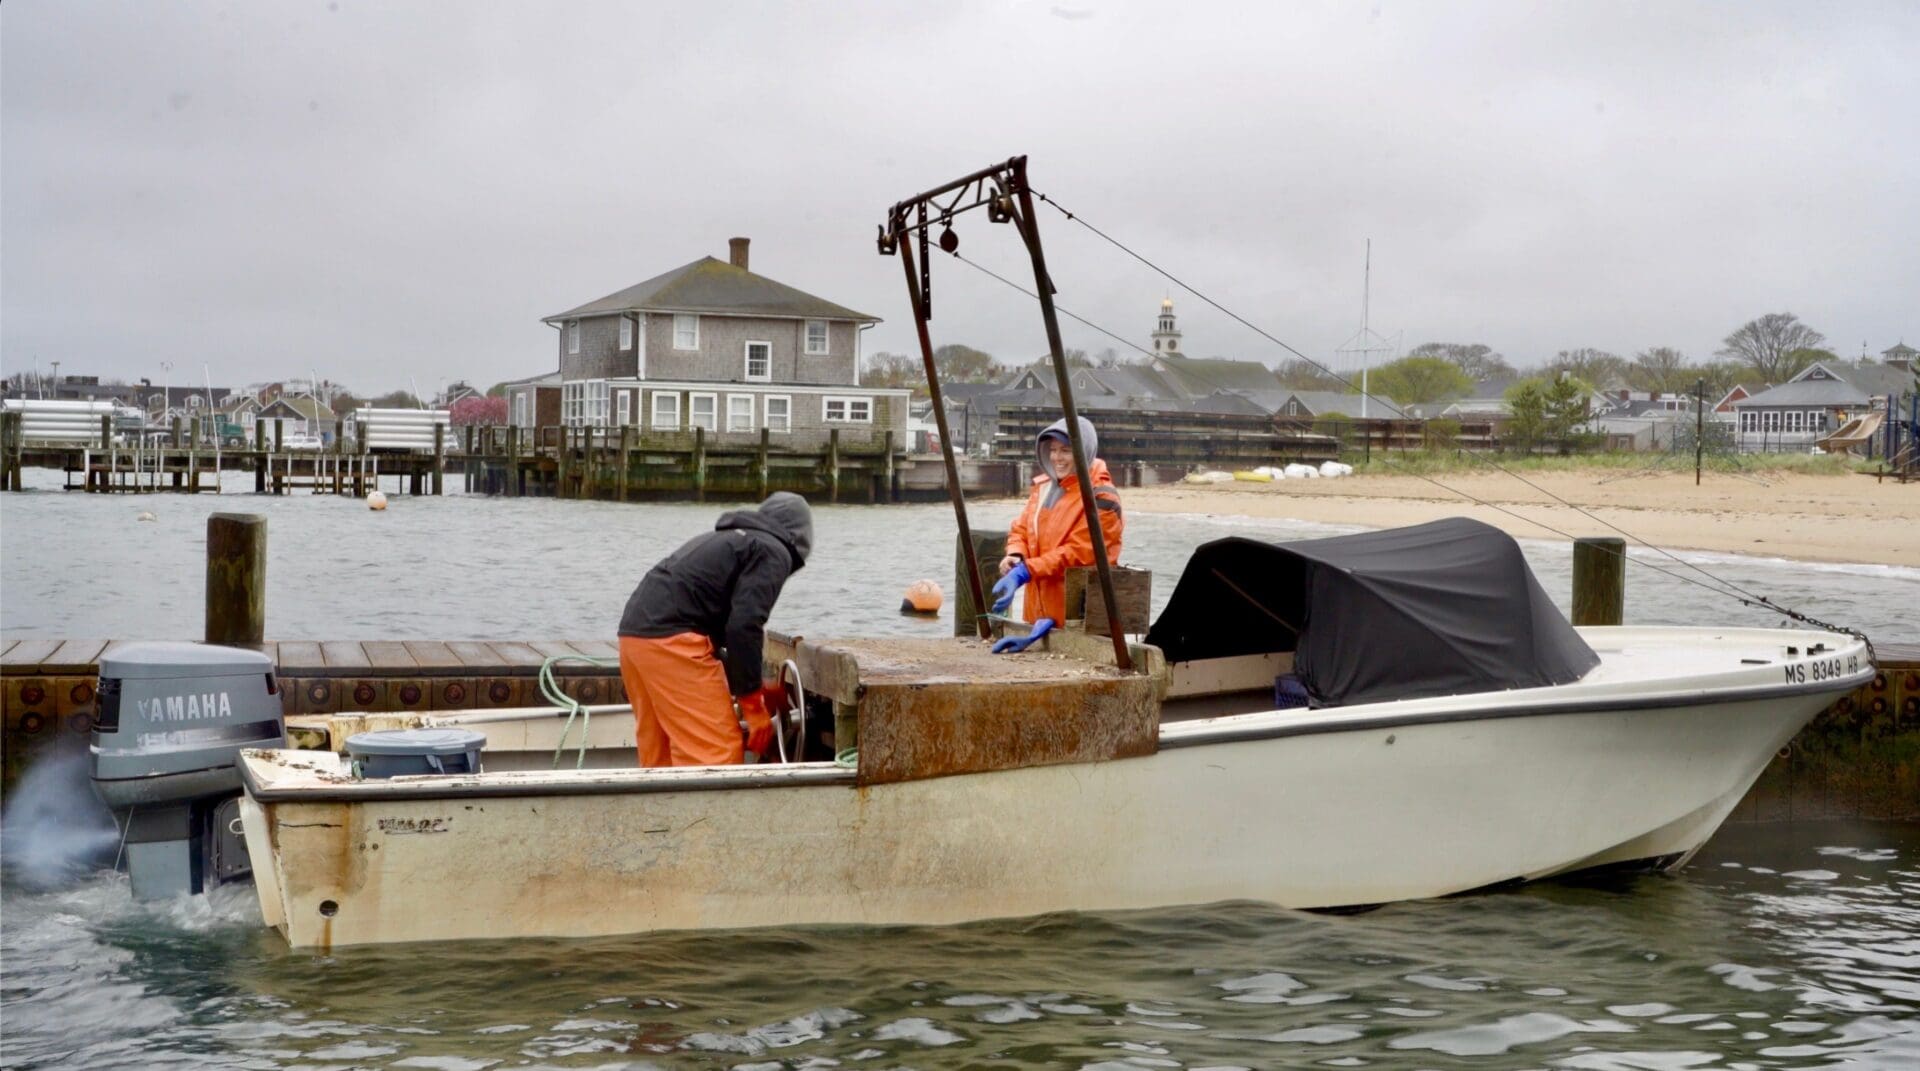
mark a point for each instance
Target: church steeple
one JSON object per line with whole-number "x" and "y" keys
{"x": 1166, "y": 339}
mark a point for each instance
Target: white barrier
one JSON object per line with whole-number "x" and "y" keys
{"x": 46, "y": 422}
{"x": 400, "y": 429}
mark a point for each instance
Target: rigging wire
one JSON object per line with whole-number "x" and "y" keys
{"x": 1720, "y": 585}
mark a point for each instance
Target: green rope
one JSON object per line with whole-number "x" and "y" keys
{"x": 551, "y": 690}
{"x": 847, "y": 759}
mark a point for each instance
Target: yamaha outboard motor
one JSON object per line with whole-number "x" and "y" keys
{"x": 173, "y": 719}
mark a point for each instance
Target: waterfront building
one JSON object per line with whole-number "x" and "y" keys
{"x": 1797, "y": 414}
{"x": 713, "y": 345}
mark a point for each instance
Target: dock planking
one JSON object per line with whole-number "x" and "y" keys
{"x": 338, "y": 658}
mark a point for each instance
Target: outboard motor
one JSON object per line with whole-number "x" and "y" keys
{"x": 173, "y": 719}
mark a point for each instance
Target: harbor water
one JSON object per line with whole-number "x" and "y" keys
{"x": 1781, "y": 946}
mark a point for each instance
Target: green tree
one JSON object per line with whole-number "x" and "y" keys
{"x": 393, "y": 399}
{"x": 1566, "y": 406}
{"x": 1773, "y": 346}
{"x": 1412, "y": 380}
{"x": 1526, "y": 413}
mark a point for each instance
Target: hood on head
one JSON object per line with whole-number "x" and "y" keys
{"x": 1058, "y": 430}
{"x": 786, "y": 516}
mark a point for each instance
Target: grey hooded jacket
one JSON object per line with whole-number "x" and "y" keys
{"x": 723, "y": 584}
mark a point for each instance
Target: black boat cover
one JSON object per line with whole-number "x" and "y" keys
{"x": 1445, "y": 608}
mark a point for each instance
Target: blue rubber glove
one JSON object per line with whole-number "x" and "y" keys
{"x": 1003, "y": 591}
{"x": 1016, "y": 644}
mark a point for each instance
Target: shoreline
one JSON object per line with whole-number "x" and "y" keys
{"x": 1844, "y": 518}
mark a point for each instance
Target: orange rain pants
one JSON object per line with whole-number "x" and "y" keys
{"x": 682, "y": 709}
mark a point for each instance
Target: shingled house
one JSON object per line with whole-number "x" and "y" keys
{"x": 713, "y": 345}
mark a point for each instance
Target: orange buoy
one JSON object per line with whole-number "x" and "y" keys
{"x": 923, "y": 597}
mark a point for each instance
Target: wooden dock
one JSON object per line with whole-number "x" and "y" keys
{"x": 1858, "y": 759}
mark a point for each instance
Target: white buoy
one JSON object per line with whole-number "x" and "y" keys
{"x": 376, "y": 500}
{"x": 146, "y": 515}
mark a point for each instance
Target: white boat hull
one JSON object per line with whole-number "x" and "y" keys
{"x": 1320, "y": 809}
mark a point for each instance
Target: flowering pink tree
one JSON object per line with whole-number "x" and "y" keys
{"x": 478, "y": 411}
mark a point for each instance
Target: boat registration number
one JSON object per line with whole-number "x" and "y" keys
{"x": 1822, "y": 669}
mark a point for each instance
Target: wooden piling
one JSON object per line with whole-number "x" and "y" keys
{"x": 626, "y": 459}
{"x": 260, "y": 455}
{"x": 885, "y": 491}
{"x": 439, "y": 458}
{"x": 1599, "y": 580}
{"x": 833, "y": 465}
{"x": 279, "y": 448}
{"x": 513, "y": 484}
{"x": 236, "y": 579}
{"x": 699, "y": 464}
{"x": 760, "y": 465}
{"x": 989, "y": 547}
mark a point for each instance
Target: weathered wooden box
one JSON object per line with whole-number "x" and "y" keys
{"x": 1132, "y": 589}
{"x": 921, "y": 708}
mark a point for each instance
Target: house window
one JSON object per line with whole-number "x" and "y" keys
{"x": 573, "y": 336}
{"x": 846, "y": 410}
{"x": 686, "y": 331}
{"x": 623, "y": 408}
{"x": 703, "y": 411}
{"x": 1794, "y": 420}
{"x": 1770, "y": 420}
{"x": 816, "y": 338}
{"x": 193, "y": 401}
{"x": 626, "y": 332}
{"x": 522, "y": 415}
{"x": 583, "y": 403}
{"x": 1747, "y": 422}
{"x": 759, "y": 362}
{"x": 666, "y": 411}
{"x": 739, "y": 412}
{"x": 779, "y": 410}
{"x": 1815, "y": 420}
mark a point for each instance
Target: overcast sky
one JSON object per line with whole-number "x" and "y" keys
{"x": 385, "y": 192}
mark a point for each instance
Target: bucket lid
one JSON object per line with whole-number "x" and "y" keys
{"x": 415, "y": 742}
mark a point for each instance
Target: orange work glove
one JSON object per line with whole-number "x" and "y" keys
{"x": 753, "y": 707}
{"x": 774, "y": 698}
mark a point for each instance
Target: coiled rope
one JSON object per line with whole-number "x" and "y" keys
{"x": 550, "y": 688}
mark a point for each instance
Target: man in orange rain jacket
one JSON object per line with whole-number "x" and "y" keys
{"x": 1051, "y": 534}
{"x": 710, "y": 598}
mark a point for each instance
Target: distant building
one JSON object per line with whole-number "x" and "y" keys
{"x": 713, "y": 345}
{"x": 1826, "y": 394}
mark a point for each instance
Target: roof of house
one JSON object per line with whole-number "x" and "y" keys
{"x": 1242, "y": 402}
{"x": 1120, "y": 384}
{"x": 544, "y": 379}
{"x": 1200, "y": 376}
{"x": 309, "y": 408}
{"x": 1900, "y": 349}
{"x": 1822, "y": 383}
{"x": 714, "y": 286}
{"x": 1333, "y": 402}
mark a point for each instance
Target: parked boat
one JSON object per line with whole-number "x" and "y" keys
{"x": 1458, "y": 734}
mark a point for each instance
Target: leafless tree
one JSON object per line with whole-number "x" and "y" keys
{"x": 1297, "y": 374}
{"x": 1663, "y": 369}
{"x": 1596, "y": 368}
{"x": 1770, "y": 346}
{"x": 1477, "y": 360}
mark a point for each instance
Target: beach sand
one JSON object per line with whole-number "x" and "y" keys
{"x": 1840, "y": 518}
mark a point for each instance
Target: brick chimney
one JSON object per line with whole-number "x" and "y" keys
{"x": 737, "y": 252}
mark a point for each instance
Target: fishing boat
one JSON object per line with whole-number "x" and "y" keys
{"x": 1323, "y": 724}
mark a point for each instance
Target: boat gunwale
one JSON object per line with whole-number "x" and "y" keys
{"x": 1230, "y": 729}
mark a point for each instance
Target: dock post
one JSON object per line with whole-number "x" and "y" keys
{"x": 259, "y": 455}
{"x": 760, "y": 464}
{"x": 699, "y": 464}
{"x": 989, "y": 547}
{"x": 173, "y": 438}
{"x": 466, "y": 458}
{"x": 236, "y": 579}
{"x": 6, "y": 452}
{"x": 339, "y": 459}
{"x": 106, "y": 446}
{"x": 279, "y": 446}
{"x": 1599, "y": 580}
{"x": 560, "y": 466}
{"x": 626, "y": 458}
{"x": 833, "y": 465}
{"x": 512, "y": 487}
{"x": 439, "y": 458}
{"x": 193, "y": 456}
{"x": 885, "y": 490}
